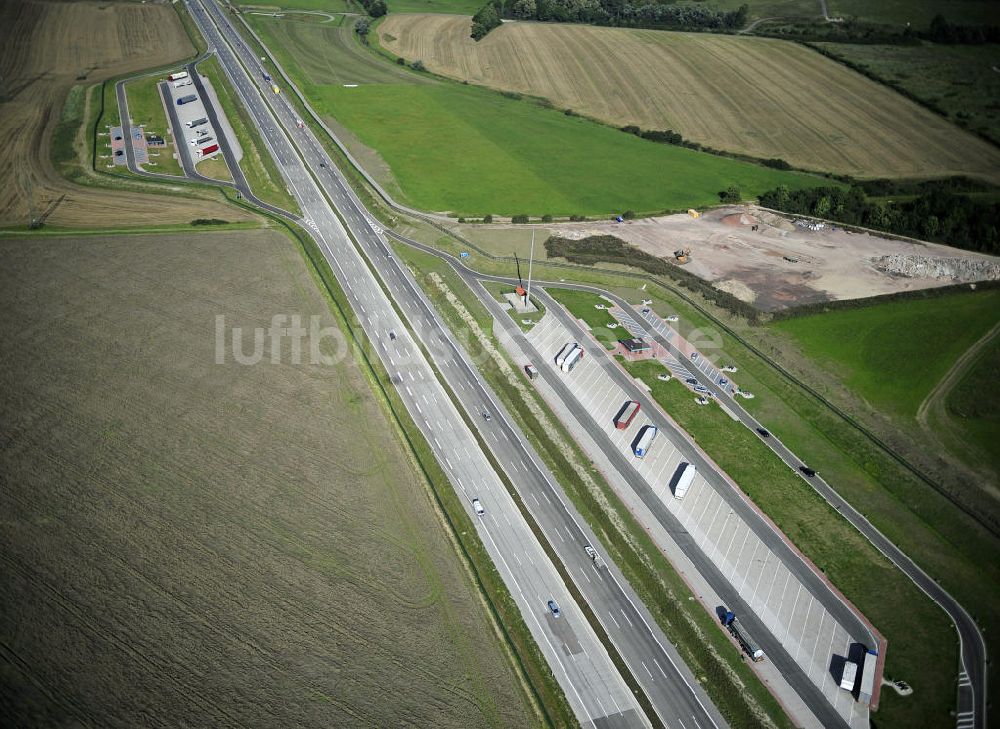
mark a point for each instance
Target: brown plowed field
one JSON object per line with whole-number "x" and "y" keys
{"x": 762, "y": 97}
{"x": 44, "y": 48}
{"x": 185, "y": 543}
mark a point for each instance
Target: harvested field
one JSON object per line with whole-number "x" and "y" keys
{"x": 186, "y": 543}
{"x": 762, "y": 97}
{"x": 47, "y": 48}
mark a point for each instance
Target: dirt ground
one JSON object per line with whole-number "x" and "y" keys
{"x": 189, "y": 543}
{"x": 45, "y": 49}
{"x": 825, "y": 265}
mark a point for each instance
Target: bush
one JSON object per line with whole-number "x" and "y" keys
{"x": 519, "y": 219}
{"x": 375, "y": 8}
{"x": 461, "y": 220}
{"x": 546, "y": 218}
{"x": 484, "y": 21}
{"x": 577, "y": 218}
{"x": 629, "y": 215}
{"x": 487, "y": 218}
{"x": 400, "y": 62}
{"x": 776, "y": 163}
{"x": 209, "y": 221}
{"x": 418, "y": 65}
{"x": 732, "y": 194}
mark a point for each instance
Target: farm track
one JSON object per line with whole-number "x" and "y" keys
{"x": 761, "y": 97}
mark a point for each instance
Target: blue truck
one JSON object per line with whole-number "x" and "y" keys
{"x": 186, "y": 99}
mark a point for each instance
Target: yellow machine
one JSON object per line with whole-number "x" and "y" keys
{"x": 682, "y": 256}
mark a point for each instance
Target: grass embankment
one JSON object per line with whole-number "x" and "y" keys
{"x": 326, "y": 6}
{"x": 974, "y": 407}
{"x": 216, "y": 168}
{"x": 240, "y": 512}
{"x": 892, "y": 354}
{"x": 740, "y": 696}
{"x": 779, "y": 99}
{"x": 583, "y": 306}
{"x": 958, "y": 81}
{"x": 474, "y": 151}
{"x": 922, "y": 646}
{"x": 257, "y": 164}
{"x": 145, "y": 106}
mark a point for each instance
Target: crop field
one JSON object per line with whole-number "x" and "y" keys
{"x": 145, "y": 106}
{"x": 47, "y": 50}
{"x": 892, "y": 354}
{"x": 760, "y": 97}
{"x": 472, "y": 151}
{"x": 959, "y": 80}
{"x": 189, "y": 543}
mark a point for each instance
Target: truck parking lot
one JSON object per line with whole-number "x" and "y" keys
{"x": 767, "y": 573}
{"x": 196, "y": 136}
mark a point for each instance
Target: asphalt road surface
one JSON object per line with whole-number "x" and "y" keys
{"x": 972, "y": 682}
{"x": 593, "y": 685}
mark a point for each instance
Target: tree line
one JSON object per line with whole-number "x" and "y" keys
{"x": 938, "y": 210}
{"x": 646, "y": 14}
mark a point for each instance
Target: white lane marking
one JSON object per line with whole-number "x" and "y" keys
{"x": 617, "y": 624}
{"x": 647, "y": 668}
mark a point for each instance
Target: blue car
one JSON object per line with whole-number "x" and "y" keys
{"x": 554, "y": 609}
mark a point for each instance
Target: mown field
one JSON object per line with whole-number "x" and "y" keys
{"x": 892, "y": 354}
{"x": 145, "y": 107}
{"x": 958, "y": 80}
{"x": 47, "y": 50}
{"x": 472, "y": 151}
{"x": 760, "y": 97}
{"x": 187, "y": 543}
{"x": 973, "y": 407}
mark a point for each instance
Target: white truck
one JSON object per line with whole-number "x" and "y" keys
{"x": 561, "y": 356}
{"x": 849, "y": 677}
{"x": 573, "y": 358}
{"x": 685, "y": 478}
{"x": 182, "y": 82}
{"x": 645, "y": 440}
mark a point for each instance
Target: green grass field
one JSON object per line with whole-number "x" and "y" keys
{"x": 327, "y": 6}
{"x": 581, "y": 305}
{"x": 918, "y": 633}
{"x": 461, "y": 7}
{"x": 893, "y": 354}
{"x": 215, "y": 544}
{"x": 974, "y": 406}
{"x": 893, "y": 12}
{"x": 958, "y": 80}
{"x": 472, "y": 151}
{"x": 146, "y": 108}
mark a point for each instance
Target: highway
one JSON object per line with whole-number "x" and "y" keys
{"x": 972, "y": 681}
{"x": 571, "y": 643}
{"x": 972, "y": 678}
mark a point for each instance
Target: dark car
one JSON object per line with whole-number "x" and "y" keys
{"x": 763, "y": 433}
{"x": 322, "y": 164}
{"x": 810, "y": 472}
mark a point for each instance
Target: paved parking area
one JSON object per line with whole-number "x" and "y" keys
{"x": 117, "y": 145}
{"x": 768, "y": 581}
{"x": 203, "y": 134}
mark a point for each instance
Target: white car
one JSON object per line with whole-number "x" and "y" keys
{"x": 663, "y": 378}
{"x": 477, "y": 505}
{"x": 673, "y": 317}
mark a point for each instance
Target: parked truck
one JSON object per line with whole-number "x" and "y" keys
{"x": 186, "y": 99}
{"x": 849, "y": 677}
{"x": 867, "y": 687}
{"x": 561, "y": 356}
{"x": 208, "y": 150}
{"x": 573, "y": 359}
{"x": 197, "y": 122}
{"x": 685, "y": 478}
{"x": 182, "y": 82}
{"x": 737, "y": 630}
{"x": 626, "y": 415}
{"x": 530, "y": 371}
{"x": 177, "y": 76}
{"x": 644, "y": 441}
